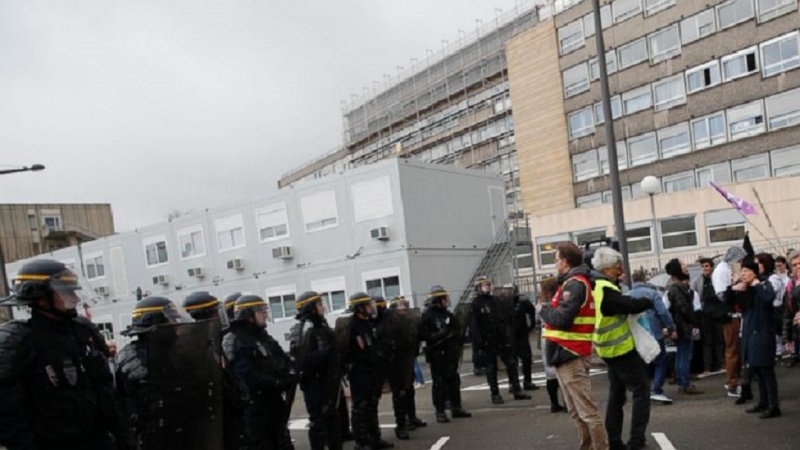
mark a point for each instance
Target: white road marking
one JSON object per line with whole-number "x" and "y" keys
{"x": 440, "y": 443}
{"x": 538, "y": 379}
{"x": 302, "y": 424}
{"x": 663, "y": 441}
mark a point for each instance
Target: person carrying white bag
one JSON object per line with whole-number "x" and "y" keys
{"x": 614, "y": 343}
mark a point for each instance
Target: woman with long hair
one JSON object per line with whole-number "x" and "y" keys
{"x": 547, "y": 289}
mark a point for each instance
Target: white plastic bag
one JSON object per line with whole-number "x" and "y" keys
{"x": 646, "y": 344}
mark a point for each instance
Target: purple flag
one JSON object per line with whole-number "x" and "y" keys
{"x": 741, "y": 205}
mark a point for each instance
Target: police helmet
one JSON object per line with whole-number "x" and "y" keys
{"x": 398, "y": 301}
{"x": 247, "y": 305}
{"x": 230, "y": 303}
{"x": 435, "y": 294}
{"x": 380, "y": 302}
{"x": 355, "y": 302}
{"x": 151, "y": 311}
{"x": 306, "y": 304}
{"x": 201, "y": 305}
{"x": 40, "y": 278}
{"x": 480, "y": 281}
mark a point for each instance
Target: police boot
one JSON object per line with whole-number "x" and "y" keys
{"x": 497, "y": 399}
{"x": 441, "y": 417}
{"x": 401, "y": 433}
{"x": 416, "y": 422}
{"x": 380, "y": 444}
{"x": 520, "y": 395}
{"x": 461, "y": 413}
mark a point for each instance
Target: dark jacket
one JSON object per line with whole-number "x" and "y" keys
{"x": 615, "y": 303}
{"x": 439, "y": 330}
{"x": 758, "y": 324}
{"x": 791, "y": 331}
{"x": 574, "y": 294}
{"x": 524, "y": 318}
{"x": 363, "y": 354}
{"x": 682, "y": 309}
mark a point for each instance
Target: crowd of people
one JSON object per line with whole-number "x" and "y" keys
{"x": 63, "y": 386}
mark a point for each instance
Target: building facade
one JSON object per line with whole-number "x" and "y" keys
{"x": 701, "y": 92}
{"x": 392, "y": 228}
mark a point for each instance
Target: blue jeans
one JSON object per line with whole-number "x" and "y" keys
{"x": 659, "y": 369}
{"x": 683, "y": 360}
{"x": 418, "y": 377}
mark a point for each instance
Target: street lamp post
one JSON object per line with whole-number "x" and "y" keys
{"x": 651, "y": 186}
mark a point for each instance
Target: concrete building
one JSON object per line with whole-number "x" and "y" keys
{"x": 702, "y": 91}
{"x": 392, "y": 228}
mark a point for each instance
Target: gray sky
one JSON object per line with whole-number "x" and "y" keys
{"x": 157, "y": 105}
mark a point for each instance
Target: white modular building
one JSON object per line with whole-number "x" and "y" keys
{"x": 391, "y": 228}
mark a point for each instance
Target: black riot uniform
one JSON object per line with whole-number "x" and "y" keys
{"x": 493, "y": 327}
{"x": 258, "y": 360}
{"x": 441, "y": 334}
{"x": 524, "y": 323}
{"x": 55, "y": 383}
{"x": 364, "y": 374}
{"x": 311, "y": 340}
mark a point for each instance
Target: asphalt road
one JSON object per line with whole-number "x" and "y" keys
{"x": 708, "y": 421}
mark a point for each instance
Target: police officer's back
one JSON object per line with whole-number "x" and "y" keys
{"x": 55, "y": 384}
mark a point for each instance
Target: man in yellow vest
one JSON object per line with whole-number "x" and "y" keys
{"x": 568, "y": 328}
{"x": 614, "y": 343}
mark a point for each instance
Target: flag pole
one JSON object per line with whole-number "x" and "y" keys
{"x": 769, "y": 221}
{"x": 747, "y": 219}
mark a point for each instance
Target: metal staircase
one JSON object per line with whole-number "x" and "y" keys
{"x": 499, "y": 254}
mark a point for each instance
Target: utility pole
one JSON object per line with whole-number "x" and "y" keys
{"x": 611, "y": 142}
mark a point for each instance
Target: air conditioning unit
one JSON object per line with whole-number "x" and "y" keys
{"x": 284, "y": 252}
{"x": 236, "y": 264}
{"x": 103, "y": 290}
{"x": 197, "y": 272}
{"x": 161, "y": 279}
{"x": 380, "y": 233}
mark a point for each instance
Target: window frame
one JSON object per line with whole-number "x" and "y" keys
{"x": 707, "y": 120}
{"x": 155, "y": 241}
{"x": 748, "y": 163}
{"x": 551, "y": 242}
{"x": 671, "y": 102}
{"x": 581, "y": 132}
{"x": 635, "y": 43}
{"x": 663, "y": 235}
{"x": 666, "y": 54}
{"x": 794, "y": 35}
{"x": 582, "y": 84}
{"x": 382, "y": 275}
{"x": 190, "y": 232}
{"x": 638, "y": 139}
{"x": 711, "y": 168}
{"x": 585, "y": 158}
{"x": 229, "y": 226}
{"x": 785, "y": 8}
{"x": 708, "y": 216}
{"x": 792, "y": 118}
{"x": 273, "y": 210}
{"x": 672, "y": 132}
{"x": 329, "y": 286}
{"x": 282, "y": 292}
{"x": 753, "y": 130}
{"x": 589, "y": 200}
{"x": 657, "y": 7}
{"x": 611, "y": 65}
{"x": 741, "y": 53}
{"x": 697, "y": 26}
{"x": 649, "y": 238}
{"x": 622, "y": 147}
{"x": 675, "y": 178}
{"x": 625, "y": 14}
{"x": 634, "y": 94}
{"x": 713, "y": 67}
{"x": 580, "y": 42}
{"x": 90, "y": 260}
{"x": 598, "y": 110}
{"x": 719, "y": 7}
{"x": 775, "y": 166}
{"x": 328, "y": 197}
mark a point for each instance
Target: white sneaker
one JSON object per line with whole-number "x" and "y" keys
{"x": 660, "y": 398}
{"x": 736, "y": 393}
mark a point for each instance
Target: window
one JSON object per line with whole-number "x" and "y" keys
{"x": 372, "y": 199}
{"x": 709, "y": 130}
{"x": 783, "y": 109}
{"x": 606, "y": 19}
{"x": 546, "y": 247}
{"x": 625, "y": 9}
{"x": 643, "y": 149}
{"x": 230, "y": 232}
{"x": 698, "y": 26}
{"x": 785, "y": 161}
{"x": 332, "y": 291}
{"x": 770, "y": 9}
{"x": 734, "y": 12}
{"x": 32, "y": 224}
{"x": 739, "y": 64}
{"x": 639, "y": 240}
{"x": 622, "y": 157}
{"x": 272, "y": 222}
{"x": 191, "y": 242}
{"x": 669, "y": 92}
{"x": 95, "y": 268}
{"x": 281, "y": 302}
{"x": 581, "y": 238}
{"x": 780, "y": 54}
{"x": 585, "y": 166}
{"x": 319, "y": 211}
{"x": 678, "y": 182}
{"x": 570, "y": 36}
{"x": 703, "y": 76}
{"x": 155, "y": 249}
{"x": 653, "y": 6}
{"x": 664, "y": 44}
{"x": 581, "y": 123}
{"x": 585, "y": 201}
{"x": 678, "y": 232}
{"x": 631, "y": 54}
{"x": 576, "y": 80}
{"x": 626, "y": 195}
{"x": 611, "y": 65}
{"x": 725, "y": 225}
{"x": 387, "y": 287}
{"x": 637, "y": 100}
{"x": 636, "y": 189}
{"x": 52, "y": 223}
{"x": 750, "y": 168}
{"x": 588, "y": 25}
{"x": 718, "y": 173}
{"x": 616, "y": 109}
{"x": 106, "y": 329}
{"x": 674, "y": 140}
{"x": 746, "y": 120}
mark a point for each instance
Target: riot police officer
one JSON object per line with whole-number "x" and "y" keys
{"x": 229, "y": 304}
{"x": 494, "y": 322}
{"x": 258, "y": 360}
{"x": 364, "y": 374}
{"x": 440, "y": 331}
{"x": 311, "y": 341}
{"x": 524, "y": 323}
{"x": 55, "y": 382}
{"x": 201, "y": 306}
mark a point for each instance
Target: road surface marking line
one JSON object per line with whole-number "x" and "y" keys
{"x": 440, "y": 443}
{"x": 663, "y": 441}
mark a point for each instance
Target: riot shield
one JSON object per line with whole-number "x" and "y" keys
{"x": 502, "y": 318}
{"x": 336, "y": 364}
{"x": 461, "y": 314}
{"x": 399, "y": 335}
{"x": 185, "y": 387}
